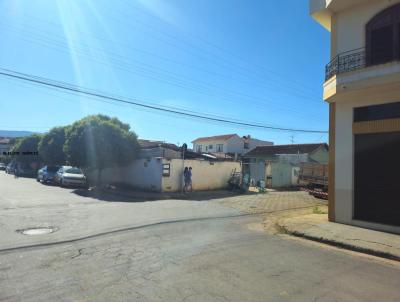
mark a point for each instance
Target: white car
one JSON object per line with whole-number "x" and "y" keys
{"x": 70, "y": 176}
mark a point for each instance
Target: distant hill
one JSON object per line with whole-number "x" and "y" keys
{"x": 15, "y": 133}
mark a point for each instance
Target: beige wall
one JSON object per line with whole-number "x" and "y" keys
{"x": 350, "y": 24}
{"x": 205, "y": 176}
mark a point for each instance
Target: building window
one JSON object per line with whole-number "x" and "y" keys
{"x": 382, "y": 36}
{"x": 199, "y": 148}
{"x": 220, "y": 148}
{"x": 246, "y": 145}
{"x": 210, "y": 147}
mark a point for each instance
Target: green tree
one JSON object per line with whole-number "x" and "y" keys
{"x": 97, "y": 142}
{"x": 51, "y": 146}
{"x": 27, "y": 149}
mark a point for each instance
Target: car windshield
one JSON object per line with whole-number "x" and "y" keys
{"x": 73, "y": 171}
{"x": 52, "y": 169}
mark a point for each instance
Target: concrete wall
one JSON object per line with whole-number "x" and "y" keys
{"x": 281, "y": 174}
{"x": 142, "y": 174}
{"x": 205, "y": 175}
{"x": 320, "y": 156}
{"x": 294, "y": 158}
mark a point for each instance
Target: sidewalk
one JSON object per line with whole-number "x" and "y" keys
{"x": 317, "y": 227}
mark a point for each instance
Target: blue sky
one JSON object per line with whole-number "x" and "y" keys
{"x": 257, "y": 61}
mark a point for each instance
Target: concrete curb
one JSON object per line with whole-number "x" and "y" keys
{"x": 339, "y": 244}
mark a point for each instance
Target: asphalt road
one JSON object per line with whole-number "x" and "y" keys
{"x": 197, "y": 259}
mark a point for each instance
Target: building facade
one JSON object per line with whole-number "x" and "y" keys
{"x": 362, "y": 87}
{"x": 278, "y": 165}
{"x": 229, "y": 143}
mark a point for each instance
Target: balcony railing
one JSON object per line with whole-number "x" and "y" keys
{"x": 345, "y": 62}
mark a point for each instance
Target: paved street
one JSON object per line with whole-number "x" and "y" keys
{"x": 170, "y": 250}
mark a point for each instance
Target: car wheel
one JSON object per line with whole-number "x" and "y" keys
{"x": 37, "y": 179}
{"x": 62, "y": 183}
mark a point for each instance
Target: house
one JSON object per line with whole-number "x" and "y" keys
{"x": 362, "y": 87}
{"x": 5, "y": 145}
{"x": 151, "y": 148}
{"x": 278, "y": 165}
{"x": 228, "y": 143}
{"x": 159, "y": 168}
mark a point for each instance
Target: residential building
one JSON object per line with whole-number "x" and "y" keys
{"x": 278, "y": 165}
{"x": 228, "y": 143}
{"x": 159, "y": 149}
{"x": 362, "y": 87}
{"x": 5, "y": 145}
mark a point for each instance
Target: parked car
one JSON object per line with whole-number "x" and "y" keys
{"x": 26, "y": 170}
{"x": 2, "y": 166}
{"x": 10, "y": 168}
{"x": 47, "y": 174}
{"x": 70, "y": 176}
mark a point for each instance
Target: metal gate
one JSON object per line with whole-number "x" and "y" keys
{"x": 377, "y": 178}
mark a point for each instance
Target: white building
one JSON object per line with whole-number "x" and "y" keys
{"x": 362, "y": 87}
{"x": 229, "y": 143}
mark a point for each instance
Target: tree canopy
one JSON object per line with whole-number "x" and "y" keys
{"x": 99, "y": 141}
{"x": 27, "y": 149}
{"x": 51, "y": 146}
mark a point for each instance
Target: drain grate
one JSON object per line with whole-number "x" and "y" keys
{"x": 38, "y": 231}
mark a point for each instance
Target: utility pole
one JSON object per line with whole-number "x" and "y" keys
{"x": 184, "y": 148}
{"x": 292, "y": 139}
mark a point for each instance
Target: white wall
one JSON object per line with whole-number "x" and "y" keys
{"x": 235, "y": 144}
{"x": 141, "y": 174}
{"x": 205, "y": 175}
{"x": 214, "y": 143}
{"x": 253, "y": 143}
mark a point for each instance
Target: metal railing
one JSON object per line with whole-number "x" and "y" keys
{"x": 345, "y": 62}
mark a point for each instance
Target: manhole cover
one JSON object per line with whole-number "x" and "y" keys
{"x": 38, "y": 231}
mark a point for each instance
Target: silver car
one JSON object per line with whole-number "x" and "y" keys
{"x": 70, "y": 176}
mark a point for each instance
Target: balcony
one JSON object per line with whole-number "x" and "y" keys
{"x": 357, "y": 59}
{"x": 355, "y": 72}
{"x": 345, "y": 62}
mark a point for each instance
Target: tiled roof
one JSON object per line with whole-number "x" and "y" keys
{"x": 212, "y": 138}
{"x": 4, "y": 140}
{"x": 284, "y": 149}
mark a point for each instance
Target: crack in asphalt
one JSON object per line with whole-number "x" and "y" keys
{"x": 55, "y": 243}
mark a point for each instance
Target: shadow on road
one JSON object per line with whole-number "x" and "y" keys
{"x": 118, "y": 195}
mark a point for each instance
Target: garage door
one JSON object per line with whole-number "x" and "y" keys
{"x": 377, "y": 178}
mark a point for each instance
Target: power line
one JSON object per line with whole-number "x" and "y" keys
{"x": 173, "y": 80}
{"x": 137, "y": 102}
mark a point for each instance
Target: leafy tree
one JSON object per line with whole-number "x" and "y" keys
{"x": 51, "y": 146}
{"x": 27, "y": 149}
{"x": 97, "y": 142}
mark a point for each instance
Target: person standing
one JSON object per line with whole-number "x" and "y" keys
{"x": 185, "y": 179}
{"x": 189, "y": 180}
